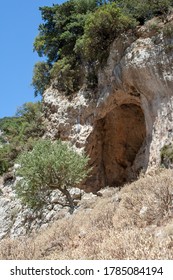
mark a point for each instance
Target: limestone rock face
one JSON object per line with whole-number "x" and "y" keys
{"x": 19, "y": 220}
{"x": 128, "y": 120}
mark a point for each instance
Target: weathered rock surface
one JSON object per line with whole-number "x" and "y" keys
{"x": 128, "y": 120}
{"x": 18, "y": 220}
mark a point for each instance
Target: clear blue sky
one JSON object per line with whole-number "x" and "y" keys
{"x": 19, "y": 21}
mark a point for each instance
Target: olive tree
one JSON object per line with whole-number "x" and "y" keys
{"x": 49, "y": 166}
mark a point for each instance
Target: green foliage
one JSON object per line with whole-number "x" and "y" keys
{"x": 167, "y": 155}
{"x": 168, "y": 37}
{"x": 159, "y": 7}
{"x": 79, "y": 33}
{"x": 168, "y": 31}
{"x": 41, "y": 77}
{"x": 63, "y": 26}
{"x": 67, "y": 74}
{"x": 27, "y": 122}
{"x": 101, "y": 28}
{"x": 4, "y": 158}
{"x": 143, "y": 10}
{"x": 20, "y": 133}
{"x": 10, "y": 147}
{"x": 85, "y": 6}
{"x": 8, "y": 153}
{"x": 31, "y": 115}
{"x": 49, "y": 166}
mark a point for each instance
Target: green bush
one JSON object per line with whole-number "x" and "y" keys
{"x": 168, "y": 31}
{"x": 101, "y": 28}
{"x": 66, "y": 72}
{"x": 167, "y": 155}
{"x": 41, "y": 77}
{"x": 144, "y": 10}
{"x": 49, "y": 166}
{"x": 20, "y": 133}
{"x": 78, "y": 33}
{"x": 4, "y": 159}
{"x": 8, "y": 153}
{"x": 62, "y": 26}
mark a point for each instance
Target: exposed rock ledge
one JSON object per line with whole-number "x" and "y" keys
{"x": 125, "y": 124}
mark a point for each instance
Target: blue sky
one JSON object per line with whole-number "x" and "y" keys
{"x": 19, "y": 21}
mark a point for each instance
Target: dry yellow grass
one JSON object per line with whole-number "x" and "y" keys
{"x": 135, "y": 223}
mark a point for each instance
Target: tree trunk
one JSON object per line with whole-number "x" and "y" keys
{"x": 69, "y": 198}
{"x": 67, "y": 194}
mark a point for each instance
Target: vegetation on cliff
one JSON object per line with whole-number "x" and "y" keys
{"x": 167, "y": 155}
{"x": 47, "y": 167}
{"x": 43, "y": 165}
{"x": 19, "y": 133}
{"x": 75, "y": 37}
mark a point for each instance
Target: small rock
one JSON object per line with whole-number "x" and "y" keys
{"x": 143, "y": 211}
{"x": 16, "y": 166}
{"x": 57, "y": 207}
{"x": 76, "y": 193}
{"x": 44, "y": 226}
{"x": 49, "y": 207}
{"x": 50, "y": 215}
{"x": 54, "y": 200}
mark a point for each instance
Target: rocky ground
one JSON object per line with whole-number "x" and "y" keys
{"x": 135, "y": 222}
{"x": 19, "y": 220}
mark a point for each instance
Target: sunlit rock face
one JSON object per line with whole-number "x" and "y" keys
{"x": 128, "y": 120}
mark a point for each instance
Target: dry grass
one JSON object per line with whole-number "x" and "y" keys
{"x": 138, "y": 224}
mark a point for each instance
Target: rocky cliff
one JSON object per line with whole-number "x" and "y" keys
{"x": 122, "y": 125}
{"x": 128, "y": 119}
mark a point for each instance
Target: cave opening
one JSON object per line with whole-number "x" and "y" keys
{"x": 115, "y": 144}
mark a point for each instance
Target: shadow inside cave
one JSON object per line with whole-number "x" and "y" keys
{"x": 116, "y": 147}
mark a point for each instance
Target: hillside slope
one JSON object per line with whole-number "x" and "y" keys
{"x": 133, "y": 223}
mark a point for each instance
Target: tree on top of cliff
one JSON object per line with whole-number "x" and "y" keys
{"x": 63, "y": 24}
{"x": 77, "y": 34}
{"x": 143, "y": 10}
{"x": 59, "y": 40}
{"x": 101, "y": 28}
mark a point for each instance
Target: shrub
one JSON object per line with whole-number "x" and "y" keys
{"x": 8, "y": 153}
{"x": 66, "y": 73}
{"x": 41, "y": 77}
{"x": 32, "y": 116}
{"x": 101, "y": 28}
{"x": 4, "y": 165}
{"x": 144, "y": 10}
{"x": 79, "y": 32}
{"x": 49, "y": 166}
{"x": 167, "y": 155}
{"x": 20, "y": 133}
{"x": 167, "y": 30}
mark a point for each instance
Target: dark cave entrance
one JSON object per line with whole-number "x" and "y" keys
{"x": 115, "y": 144}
